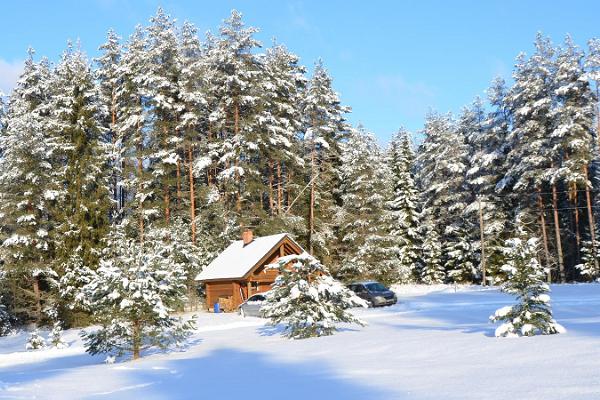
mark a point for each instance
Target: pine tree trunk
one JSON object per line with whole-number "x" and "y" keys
{"x": 482, "y": 240}
{"x": 561, "y": 266}
{"x": 544, "y": 235}
{"x": 136, "y": 339}
{"x": 311, "y": 212}
{"x": 271, "y": 200}
{"x": 192, "y": 197}
{"x": 236, "y": 130}
{"x": 178, "y": 183}
{"x": 141, "y": 203}
{"x": 591, "y": 222}
{"x": 38, "y": 299}
{"x": 576, "y": 209}
{"x": 279, "y": 188}
{"x": 167, "y": 205}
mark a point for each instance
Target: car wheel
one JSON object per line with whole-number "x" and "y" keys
{"x": 370, "y": 303}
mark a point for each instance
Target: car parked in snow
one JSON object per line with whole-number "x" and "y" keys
{"x": 252, "y": 306}
{"x": 374, "y": 293}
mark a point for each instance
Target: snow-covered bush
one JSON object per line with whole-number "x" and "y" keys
{"x": 6, "y": 320}
{"x": 35, "y": 341}
{"x": 532, "y": 314}
{"x": 307, "y": 300}
{"x": 133, "y": 294}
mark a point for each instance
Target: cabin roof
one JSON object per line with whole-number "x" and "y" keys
{"x": 237, "y": 260}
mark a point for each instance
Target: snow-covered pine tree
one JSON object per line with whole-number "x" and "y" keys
{"x": 109, "y": 80}
{"x": 441, "y": 167}
{"x": 431, "y": 269}
{"x": 404, "y": 215}
{"x": 29, "y": 188}
{"x": 282, "y": 81}
{"x": 133, "y": 294}
{"x": 307, "y": 300}
{"x": 132, "y": 126}
{"x": 193, "y": 121}
{"x": 233, "y": 72}
{"x": 532, "y": 314}
{"x": 324, "y": 130}
{"x": 35, "y": 341}
{"x": 75, "y": 120}
{"x": 532, "y": 160}
{"x": 573, "y": 135}
{"x": 165, "y": 107}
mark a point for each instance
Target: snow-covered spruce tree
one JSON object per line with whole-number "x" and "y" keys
{"x": 324, "y": 129}
{"x": 404, "y": 215}
{"x": 307, "y": 300}
{"x": 35, "y": 341}
{"x": 363, "y": 193}
{"x": 532, "y": 314}
{"x": 431, "y": 269}
{"x": 29, "y": 189}
{"x": 133, "y": 294}
{"x": 83, "y": 217}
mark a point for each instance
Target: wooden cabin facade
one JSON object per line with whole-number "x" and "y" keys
{"x": 240, "y": 270}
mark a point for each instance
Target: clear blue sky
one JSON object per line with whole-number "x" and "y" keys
{"x": 391, "y": 60}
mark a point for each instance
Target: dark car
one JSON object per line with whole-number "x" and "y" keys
{"x": 374, "y": 293}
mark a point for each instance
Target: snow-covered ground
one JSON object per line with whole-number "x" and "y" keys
{"x": 435, "y": 344}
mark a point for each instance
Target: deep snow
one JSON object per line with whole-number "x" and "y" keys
{"x": 435, "y": 344}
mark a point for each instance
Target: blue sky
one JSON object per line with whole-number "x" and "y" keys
{"x": 391, "y": 60}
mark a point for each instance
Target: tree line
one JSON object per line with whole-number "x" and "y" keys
{"x": 140, "y": 165}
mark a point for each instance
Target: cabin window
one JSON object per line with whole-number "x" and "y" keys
{"x": 254, "y": 285}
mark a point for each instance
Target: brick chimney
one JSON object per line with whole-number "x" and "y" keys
{"x": 247, "y": 237}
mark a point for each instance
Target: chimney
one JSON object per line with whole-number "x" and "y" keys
{"x": 247, "y": 237}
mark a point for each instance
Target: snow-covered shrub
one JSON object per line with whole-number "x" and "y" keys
{"x": 133, "y": 295}
{"x": 35, "y": 341}
{"x": 55, "y": 338}
{"x": 307, "y": 300}
{"x": 532, "y": 314}
{"x": 6, "y": 320}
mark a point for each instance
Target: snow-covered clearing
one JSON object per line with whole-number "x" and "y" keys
{"x": 435, "y": 344}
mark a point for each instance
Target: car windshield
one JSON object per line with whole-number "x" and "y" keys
{"x": 375, "y": 287}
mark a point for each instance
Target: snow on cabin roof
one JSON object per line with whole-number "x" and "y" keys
{"x": 236, "y": 260}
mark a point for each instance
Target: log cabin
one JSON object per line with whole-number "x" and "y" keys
{"x": 240, "y": 270}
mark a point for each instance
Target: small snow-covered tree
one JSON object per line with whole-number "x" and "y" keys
{"x": 307, "y": 300}
{"x": 35, "y": 341}
{"x": 587, "y": 267}
{"x": 6, "y": 320}
{"x": 133, "y": 294}
{"x": 55, "y": 338}
{"x": 532, "y": 314}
